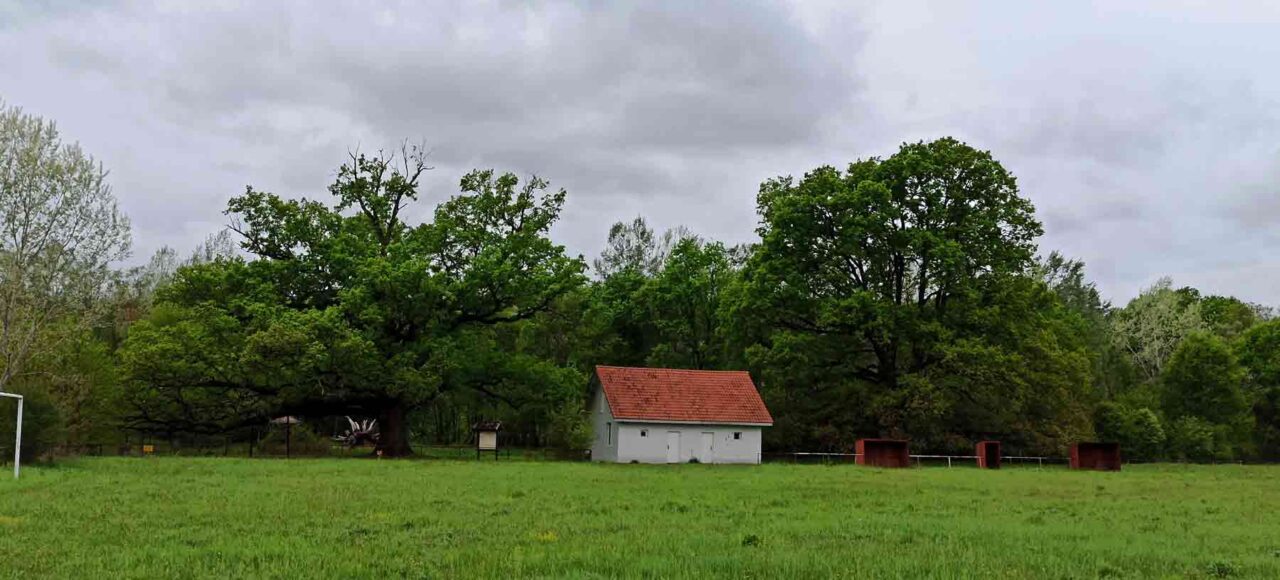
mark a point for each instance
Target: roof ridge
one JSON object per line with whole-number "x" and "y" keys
{"x": 673, "y": 369}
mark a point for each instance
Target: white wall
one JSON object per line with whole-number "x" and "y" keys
{"x": 602, "y": 447}
{"x": 652, "y": 447}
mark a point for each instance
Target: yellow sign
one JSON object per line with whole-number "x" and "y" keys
{"x": 148, "y": 449}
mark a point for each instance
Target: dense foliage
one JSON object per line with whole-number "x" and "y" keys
{"x": 347, "y": 309}
{"x": 899, "y": 296}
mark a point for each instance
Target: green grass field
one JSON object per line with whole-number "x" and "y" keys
{"x": 187, "y": 517}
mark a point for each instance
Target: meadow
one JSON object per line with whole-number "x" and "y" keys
{"x": 364, "y": 518}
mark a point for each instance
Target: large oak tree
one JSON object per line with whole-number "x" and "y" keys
{"x": 898, "y": 293}
{"x": 347, "y": 308}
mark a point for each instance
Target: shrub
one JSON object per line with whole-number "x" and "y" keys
{"x": 302, "y": 441}
{"x": 42, "y": 426}
{"x": 1193, "y": 438}
{"x": 569, "y": 428}
{"x": 1138, "y": 430}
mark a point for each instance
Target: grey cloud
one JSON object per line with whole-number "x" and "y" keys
{"x": 1257, "y": 206}
{"x": 1146, "y": 134}
{"x": 594, "y": 98}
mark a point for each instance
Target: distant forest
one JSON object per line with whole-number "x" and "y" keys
{"x": 903, "y": 296}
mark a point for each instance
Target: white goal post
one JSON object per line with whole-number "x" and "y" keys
{"x": 17, "y": 445}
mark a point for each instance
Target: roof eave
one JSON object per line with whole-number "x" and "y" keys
{"x": 687, "y": 422}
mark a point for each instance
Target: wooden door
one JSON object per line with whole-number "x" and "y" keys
{"x": 705, "y": 451}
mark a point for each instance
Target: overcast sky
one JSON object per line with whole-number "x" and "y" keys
{"x": 1147, "y": 134}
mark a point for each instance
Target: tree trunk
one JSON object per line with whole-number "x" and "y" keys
{"x": 393, "y": 432}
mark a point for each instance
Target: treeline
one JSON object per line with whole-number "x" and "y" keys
{"x": 902, "y": 296}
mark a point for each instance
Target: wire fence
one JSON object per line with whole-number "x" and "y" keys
{"x": 919, "y": 460}
{"x": 247, "y": 450}
{"x": 506, "y": 453}
{"x": 809, "y": 457}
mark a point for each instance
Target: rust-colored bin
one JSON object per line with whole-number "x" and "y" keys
{"x": 988, "y": 453}
{"x": 1096, "y": 456}
{"x": 883, "y": 453}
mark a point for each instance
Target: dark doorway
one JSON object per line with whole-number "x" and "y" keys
{"x": 988, "y": 453}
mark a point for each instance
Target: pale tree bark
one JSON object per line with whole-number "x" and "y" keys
{"x": 60, "y": 230}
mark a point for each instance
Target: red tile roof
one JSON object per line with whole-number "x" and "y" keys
{"x": 682, "y": 395}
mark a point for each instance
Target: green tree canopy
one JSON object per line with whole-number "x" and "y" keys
{"x": 346, "y": 308}
{"x": 1260, "y": 354}
{"x": 60, "y": 232}
{"x": 1229, "y": 317}
{"x": 1259, "y": 351}
{"x": 684, "y": 302}
{"x": 1203, "y": 381}
{"x": 880, "y": 276}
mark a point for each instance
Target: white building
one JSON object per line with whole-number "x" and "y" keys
{"x": 643, "y": 415}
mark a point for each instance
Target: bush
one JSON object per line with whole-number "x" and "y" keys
{"x": 1139, "y": 431}
{"x": 302, "y": 441}
{"x": 1193, "y": 438}
{"x": 42, "y": 426}
{"x": 569, "y": 428}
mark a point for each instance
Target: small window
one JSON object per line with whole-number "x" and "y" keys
{"x": 737, "y": 435}
{"x": 608, "y": 433}
{"x": 644, "y": 432}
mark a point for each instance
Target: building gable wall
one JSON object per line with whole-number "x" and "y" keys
{"x": 603, "y": 447}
